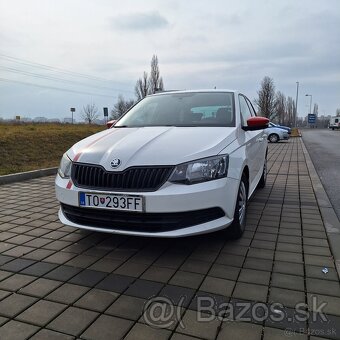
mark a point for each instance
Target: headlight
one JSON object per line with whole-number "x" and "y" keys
{"x": 202, "y": 170}
{"x": 64, "y": 170}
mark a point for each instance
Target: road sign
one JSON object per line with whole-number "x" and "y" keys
{"x": 72, "y": 109}
{"x": 106, "y": 111}
{"x": 311, "y": 118}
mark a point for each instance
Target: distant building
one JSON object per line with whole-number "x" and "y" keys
{"x": 40, "y": 120}
{"x": 54, "y": 120}
{"x": 26, "y": 119}
{"x": 68, "y": 120}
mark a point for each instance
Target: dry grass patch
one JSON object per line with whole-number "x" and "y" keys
{"x": 25, "y": 147}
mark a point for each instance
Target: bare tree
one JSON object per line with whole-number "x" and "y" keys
{"x": 316, "y": 109}
{"x": 155, "y": 81}
{"x": 290, "y": 111}
{"x": 266, "y": 100}
{"x": 142, "y": 88}
{"x": 149, "y": 84}
{"x": 89, "y": 113}
{"x": 121, "y": 107}
{"x": 280, "y": 107}
{"x": 337, "y": 112}
{"x": 161, "y": 85}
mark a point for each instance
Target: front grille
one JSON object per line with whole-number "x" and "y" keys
{"x": 142, "y": 222}
{"x": 132, "y": 179}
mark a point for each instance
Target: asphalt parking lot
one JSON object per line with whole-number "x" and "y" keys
{"x": 277, "y": 282}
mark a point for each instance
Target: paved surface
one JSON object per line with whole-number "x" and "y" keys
{"x": 323, "y": 146}
{"x": 62, "y": 283}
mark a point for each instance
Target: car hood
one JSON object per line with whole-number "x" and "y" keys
{"x": 152, "y": 145}
{"x": 284, "y": 127}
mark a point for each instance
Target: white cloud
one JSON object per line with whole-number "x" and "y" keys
{"x": 140, "y": 21}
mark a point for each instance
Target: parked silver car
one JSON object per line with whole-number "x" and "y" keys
{"x": 276, "y": 134}
{"x": 287, "y": 128}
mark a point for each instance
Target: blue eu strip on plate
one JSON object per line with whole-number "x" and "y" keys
{"x": 82, "y": 198}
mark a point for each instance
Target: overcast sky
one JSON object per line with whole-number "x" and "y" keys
{"x": 199, "y": 44}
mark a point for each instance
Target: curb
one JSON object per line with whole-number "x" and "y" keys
{"x": 24, "y": 176}
{"x": 329, "y": 217}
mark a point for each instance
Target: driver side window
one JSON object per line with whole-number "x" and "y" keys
{"x": 244, "y": 108}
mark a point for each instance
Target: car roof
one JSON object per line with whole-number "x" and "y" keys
{"x": 195, "y": 91}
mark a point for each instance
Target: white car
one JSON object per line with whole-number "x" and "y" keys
{"x": 176, "y": 164}
{"x": 276, "y": 134}
{"x": 334, "y": 123}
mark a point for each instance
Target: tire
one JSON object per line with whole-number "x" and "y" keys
{"x": 273, "y": 138}
{"x": 263, "y": 179}
{"x": 236, "y": 229}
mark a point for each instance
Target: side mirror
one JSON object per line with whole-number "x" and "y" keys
{"x": 110, "y": 123}
{"x": 256, "y": 123}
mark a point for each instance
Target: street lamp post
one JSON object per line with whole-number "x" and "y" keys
{"x": 296, "y": 102}
{"x": 310, "y": 103}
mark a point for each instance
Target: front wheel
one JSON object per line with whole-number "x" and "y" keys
{"x": 236, "y": 229}
{"x": 273, "y": 138}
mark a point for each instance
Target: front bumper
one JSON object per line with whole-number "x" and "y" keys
{"x": 170, "y": 199}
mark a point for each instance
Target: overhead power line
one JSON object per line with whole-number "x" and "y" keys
{"x": 48, "y": 77}
{"x": 54, "y": 88}
{"x": 55, "y": 69}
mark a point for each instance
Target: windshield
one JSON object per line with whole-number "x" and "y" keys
{"x": 182, "y": 109}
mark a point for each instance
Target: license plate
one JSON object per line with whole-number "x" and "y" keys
{"x": 111, "y": 201}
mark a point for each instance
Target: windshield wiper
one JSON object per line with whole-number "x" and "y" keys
{"x": 120, "y": 126}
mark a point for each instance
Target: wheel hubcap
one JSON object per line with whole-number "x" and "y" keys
{"x": 242, "y": 203}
